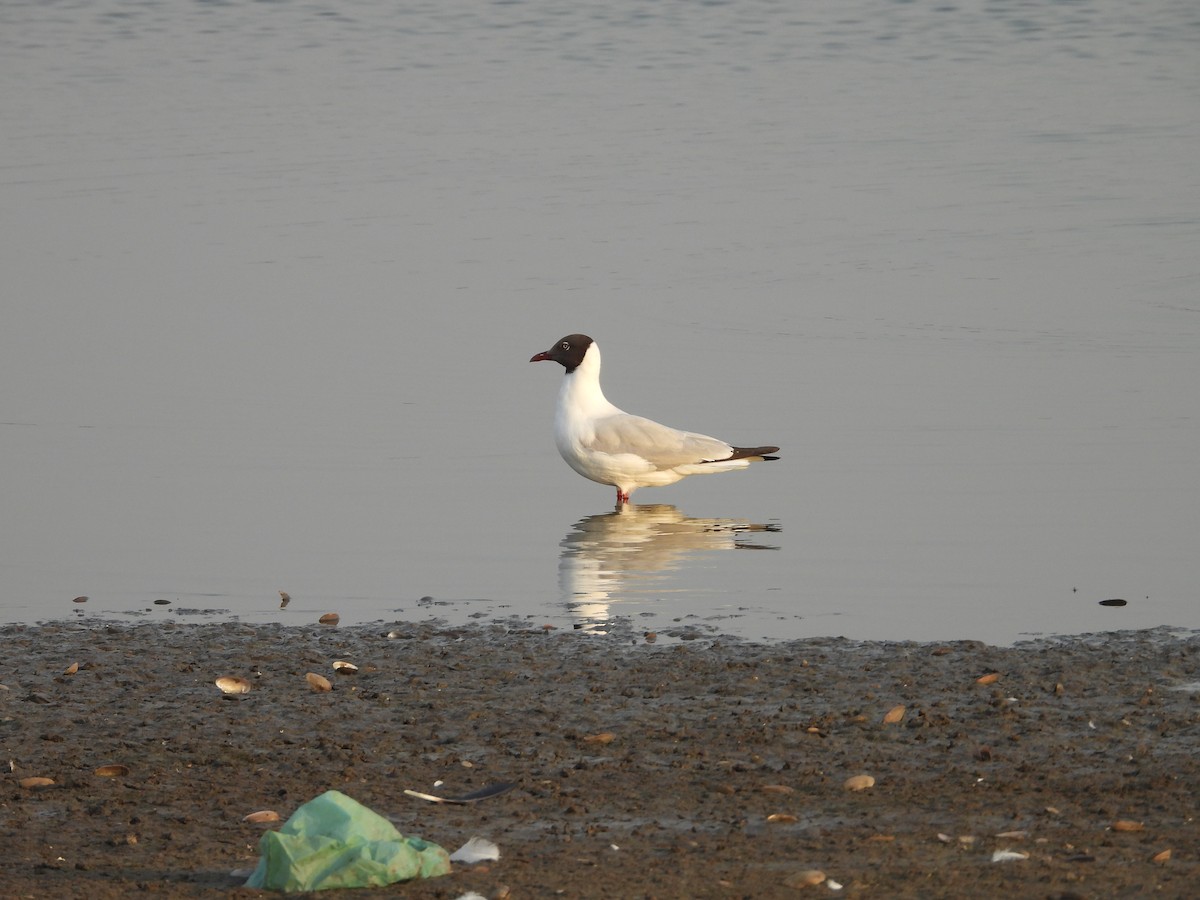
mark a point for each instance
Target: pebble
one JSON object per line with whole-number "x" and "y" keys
{"x": 1127, "y": 825}
{"x": 859, "y": 782}
{"x": 806, "y": 878}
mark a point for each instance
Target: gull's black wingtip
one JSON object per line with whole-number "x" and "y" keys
{"x": 752, "y": 453}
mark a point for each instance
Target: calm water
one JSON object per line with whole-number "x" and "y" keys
{"x": 272, "y": 272}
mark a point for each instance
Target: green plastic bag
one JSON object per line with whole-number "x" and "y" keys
{"x": 333, "y": 841}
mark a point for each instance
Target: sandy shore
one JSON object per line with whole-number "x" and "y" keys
{"x": 707, "y": 768}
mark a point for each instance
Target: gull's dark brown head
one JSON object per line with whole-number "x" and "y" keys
{"x": 568, "y": 352}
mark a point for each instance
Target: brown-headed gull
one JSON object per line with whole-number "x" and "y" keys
{"x": 608, "y": 445}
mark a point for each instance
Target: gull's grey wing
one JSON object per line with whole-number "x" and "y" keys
{"x": 662, "y": 447}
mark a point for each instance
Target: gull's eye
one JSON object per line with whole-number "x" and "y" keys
{"x": 566, "y": 345}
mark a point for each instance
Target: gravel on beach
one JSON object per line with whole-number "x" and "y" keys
{"x": 714, "y": 767}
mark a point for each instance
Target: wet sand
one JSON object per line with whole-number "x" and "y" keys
{"x": 699, "y": 768}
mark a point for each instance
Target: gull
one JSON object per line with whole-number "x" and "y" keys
{"x": 610, "y": 446}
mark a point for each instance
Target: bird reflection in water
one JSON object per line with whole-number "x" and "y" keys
{"x": 629, "y": 552}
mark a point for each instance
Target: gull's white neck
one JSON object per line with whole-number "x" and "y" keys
{"x": 580, "y": 394}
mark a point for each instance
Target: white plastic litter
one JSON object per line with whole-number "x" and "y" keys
{"x": 475, "y": 850}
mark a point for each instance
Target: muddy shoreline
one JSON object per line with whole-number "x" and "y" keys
{"x": 705, "y": 768}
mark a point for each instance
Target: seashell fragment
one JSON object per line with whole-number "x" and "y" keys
{"x": 263, "y": 815}
{"x": 344, "y": 668}
{"x": 71, "y": 669}
{"x": 36, "y": 781}
{"x": 786, "y": 818}
{"x": 989, "y": 678}
{"x": 116, "y": 770}
{"x": 859, "y": 782}
{"x": 1008, "y": 856}
{"x": 893, "y": 715}
{"x": 604, "y": 737}
{"x": 1127, "y": 825}
{"x": 230, "y": 684}
{"x": 318, "y": 682}
{"x": 778, "y": 789}
{"x": 330, "y": 619}
{"x": 1161, "y": 857}
{"x": 80, "y": 600}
